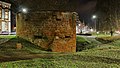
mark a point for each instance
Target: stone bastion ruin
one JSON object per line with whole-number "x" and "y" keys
{"x": 51, "y": 30}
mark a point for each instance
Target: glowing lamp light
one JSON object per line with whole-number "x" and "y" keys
{"x": 79, "y": 24}
{"x": 24, "y": 10}
{"x": 97, "y": 32}
{"x": 94, "y": 16}
{"x": 91, "y": 30}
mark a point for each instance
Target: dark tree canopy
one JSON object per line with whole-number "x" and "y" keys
{"x": 108, "y": 15}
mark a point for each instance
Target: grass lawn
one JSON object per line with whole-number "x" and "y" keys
{"x": 102, "y": 56}
{"x": 57, "y": 63}
{"x": 84, "y": 43}
{"x": 7, "y": 36}
{"x": 9, "y": 51}
{"x": 102, "y": 35}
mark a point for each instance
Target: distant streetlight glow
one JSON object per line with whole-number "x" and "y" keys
{"x": 91, "y": 30}
{"x": 24, "y": 10}
{"x": 94, "y": 17}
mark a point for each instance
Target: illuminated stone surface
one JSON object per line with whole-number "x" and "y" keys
{"x": 51, "y": 30}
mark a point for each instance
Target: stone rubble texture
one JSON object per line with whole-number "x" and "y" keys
{"x": 51, "y": 30}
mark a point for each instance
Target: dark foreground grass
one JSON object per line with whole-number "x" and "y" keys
{"x": 105, "y": 56}
{"x": 69, "y": 61}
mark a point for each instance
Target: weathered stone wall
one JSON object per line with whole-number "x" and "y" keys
{"x": 50, "y": 30}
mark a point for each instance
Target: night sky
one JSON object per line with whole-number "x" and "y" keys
{"x": 86, "y": 9}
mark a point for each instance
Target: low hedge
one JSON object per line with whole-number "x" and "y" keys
{"x": 107, "y": 39}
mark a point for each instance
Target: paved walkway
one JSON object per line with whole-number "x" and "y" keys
{"x": 87, "y": 36}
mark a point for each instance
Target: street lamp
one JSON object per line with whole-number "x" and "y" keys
{"x": 94, "y": 17}
{"x": 24, "y": 10}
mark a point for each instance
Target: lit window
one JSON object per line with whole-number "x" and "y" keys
{"x": 6, "y": 15}
{"x": 0, "y": 13}
{"x": 6, "y": 6}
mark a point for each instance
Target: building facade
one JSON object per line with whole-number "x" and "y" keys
{"x": 5, "y": 17}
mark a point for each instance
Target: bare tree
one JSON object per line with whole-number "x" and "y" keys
{"x": 108, "y": 14}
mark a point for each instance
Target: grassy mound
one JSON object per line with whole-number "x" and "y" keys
{"x": 83, "y": 43}
{"x": 108, "y": 39}
{"x": 26, "y": 46}
{"x": 8, "y": 49}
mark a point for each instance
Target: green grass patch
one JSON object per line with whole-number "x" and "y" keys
{"x": 102, "y": 35}
{"x": 68, "y": 61}
{"x": 7, "y": 36}
{"x": 80, "y": 39}
{"x": 109, "y": 50}
{"x": 108, "y": 39}
{"x": 84, "y": 43}
{"x": 116, "y": 43}
{"x": 81, "y": 43}
{"x": 9, "y": 48}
